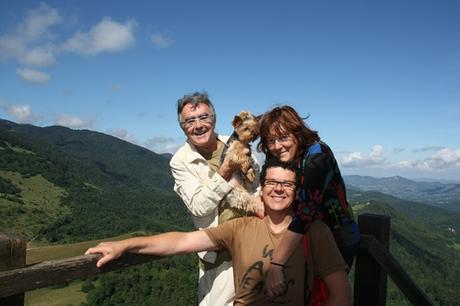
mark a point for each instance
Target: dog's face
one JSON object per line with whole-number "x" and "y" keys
{"x": 246, "y": 126}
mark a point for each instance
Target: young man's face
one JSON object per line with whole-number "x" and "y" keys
{"x": 198, "y": 124}
{"x": 278, "y": 191}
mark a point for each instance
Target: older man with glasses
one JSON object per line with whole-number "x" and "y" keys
{"x": 202, "y": 181}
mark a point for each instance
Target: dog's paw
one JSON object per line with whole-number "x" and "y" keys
{"x": 250, "y": 175}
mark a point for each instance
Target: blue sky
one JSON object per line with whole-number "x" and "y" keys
{"x": 379, "y": 79}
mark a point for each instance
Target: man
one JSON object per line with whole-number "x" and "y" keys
{"x": 202, "y": 182}
{"x": 251, "y": 242}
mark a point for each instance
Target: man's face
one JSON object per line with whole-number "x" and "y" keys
{"x": 278, "y": 191}
{"x": 200, "y": 132}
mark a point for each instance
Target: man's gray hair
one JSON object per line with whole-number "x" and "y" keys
{"x": 194, "y": 99}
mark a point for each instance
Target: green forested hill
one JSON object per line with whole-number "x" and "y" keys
{"x": 65, "y": 185}
{"x": 438, "y": 217}
{"x": 429, "y": 254}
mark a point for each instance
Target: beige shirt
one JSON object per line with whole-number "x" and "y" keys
{"x": 252, "y": 242}
{"x": 198, "y": 185}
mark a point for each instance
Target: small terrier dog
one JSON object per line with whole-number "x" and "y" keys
{"x": 246, "y": 131}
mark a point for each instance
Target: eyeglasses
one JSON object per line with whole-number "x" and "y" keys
{"x": 282, "y": 140}
{"x": 191, "y": 121}
{"x": 272, "y": 184}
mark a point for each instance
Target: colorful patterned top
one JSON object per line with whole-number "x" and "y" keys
{"x": 323, "y": 196}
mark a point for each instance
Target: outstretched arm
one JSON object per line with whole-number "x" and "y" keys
{"x": 172, "y": 243}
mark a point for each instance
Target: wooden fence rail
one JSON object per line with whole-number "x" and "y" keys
{"x": 373, "y": 264}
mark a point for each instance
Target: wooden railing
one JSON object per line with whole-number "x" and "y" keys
{"x": 373, "y": 263}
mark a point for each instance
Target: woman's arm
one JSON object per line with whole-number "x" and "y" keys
{"x": 339, "y": 289}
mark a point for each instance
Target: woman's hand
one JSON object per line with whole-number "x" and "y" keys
{"x": 109, "y": 250}
{"x": 274, "y": 284}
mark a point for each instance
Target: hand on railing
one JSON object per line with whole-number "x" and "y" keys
{"x": 110, "y": 251}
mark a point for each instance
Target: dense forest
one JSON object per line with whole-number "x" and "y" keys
{"x": 58, "y": 185}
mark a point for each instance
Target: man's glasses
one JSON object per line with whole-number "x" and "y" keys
{"x": 191, "y": 121}
{"x": 282, "y": 139}
{"x": 272, "y": 184}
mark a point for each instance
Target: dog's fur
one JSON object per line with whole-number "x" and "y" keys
{"x": 246, "y": 131}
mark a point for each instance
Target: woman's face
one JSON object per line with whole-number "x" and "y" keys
{"x": 284, "y": 146}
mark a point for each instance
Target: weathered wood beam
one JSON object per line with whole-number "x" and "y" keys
{"x": 50, "y": 273}
{"x": 370, "y": 279}
{"x": 396, "y": 272}
{"x": 12, "y": 256}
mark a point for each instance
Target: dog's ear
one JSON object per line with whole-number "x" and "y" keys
{"x": 237, "y": 121}
{"x": 258, "y": 117}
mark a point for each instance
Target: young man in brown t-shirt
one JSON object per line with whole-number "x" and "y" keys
{"x": 251, "y": 242}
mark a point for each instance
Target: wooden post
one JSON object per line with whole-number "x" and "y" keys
{"x": 12, "y": 256}
{"x": 370, "y": 286}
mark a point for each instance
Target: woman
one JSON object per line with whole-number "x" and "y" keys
{"x": 285, "y": 136}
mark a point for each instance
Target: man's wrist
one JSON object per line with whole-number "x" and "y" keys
{"x": 277, "y": 264}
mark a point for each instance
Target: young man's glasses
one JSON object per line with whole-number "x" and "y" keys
{"x": 191, "y": 121}
{"x": 282, "y": 139}
{"x": 272, "y": 184}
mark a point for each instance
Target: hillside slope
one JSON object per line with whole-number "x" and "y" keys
{"x": 108, "y": 186}
{"x": 429, "y": 254}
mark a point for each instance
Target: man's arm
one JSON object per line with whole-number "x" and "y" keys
{"x": 172, "y": 243}
{"x": 339, "y": 289}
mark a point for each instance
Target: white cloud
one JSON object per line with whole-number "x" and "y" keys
{"x": 32, "y": 76}
{"x": 122, "y": 134}
{"x": 160, "y": 40}
{"x": 37, "y": 23}
{"x": 73, "y": 122}
{"x": 28, "y": 42}
{"x": 34, "y": 41}
{"x": 161, "y": 144}
{"x": 21, "y": 113}
{"x": 444, "y": 159}
{"x": 105, "y": 36}
{"x": 359, "y": 159}
{"x": 172, "y": 148}
{"x": 39, "y": 56}
{"x": 445, "y": 162}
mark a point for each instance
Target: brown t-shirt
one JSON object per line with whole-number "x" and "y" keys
{"x": 251, "y": 243}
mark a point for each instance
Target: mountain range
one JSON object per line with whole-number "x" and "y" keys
{"x": 59, "y": 185}
{"x": 444, "y": 195}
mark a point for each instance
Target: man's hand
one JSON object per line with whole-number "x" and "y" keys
{"x": 258, "y": 207}
{"x": 229, "y": 166}
{"x": 274, "y": 284}
{"x": 109, "y": 250}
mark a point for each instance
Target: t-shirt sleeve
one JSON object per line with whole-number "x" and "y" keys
{"x": 223, "y": 235}
{"x": 326, "y": 255}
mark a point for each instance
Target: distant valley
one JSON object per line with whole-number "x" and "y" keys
{"x": 439, "y": 194}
